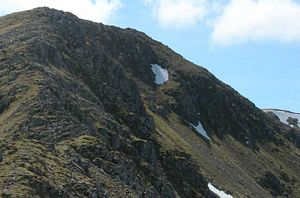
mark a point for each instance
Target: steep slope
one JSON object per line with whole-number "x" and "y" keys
{"x": 89, "y": 110}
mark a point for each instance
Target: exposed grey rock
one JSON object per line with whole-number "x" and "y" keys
{"x": 1, "y": 157}
{"x": 4, "y": 103}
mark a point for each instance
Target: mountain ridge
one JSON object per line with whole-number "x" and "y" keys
{"x": 281, "y": 110}
{"x": 82, "y": 116}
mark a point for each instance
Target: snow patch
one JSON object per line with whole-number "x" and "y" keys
{"x": 199, "y": 128}
{"x": 161, "y": 75}
{"x": 218, "y": 192}
{"x": 284, "y": 115}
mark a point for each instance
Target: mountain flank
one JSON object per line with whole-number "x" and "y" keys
{"x": 90, "y": 110}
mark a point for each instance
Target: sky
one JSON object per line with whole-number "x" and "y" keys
{"x": 252, "y": 45}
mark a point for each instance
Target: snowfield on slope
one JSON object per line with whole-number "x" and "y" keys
{"x": 199, "y": 128}
{"x": 218, "y": 192}
{"x": 284, "y": 115}
{"x": 161, "y": 75}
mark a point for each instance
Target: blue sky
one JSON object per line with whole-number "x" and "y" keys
{"x": 252, "y": 45}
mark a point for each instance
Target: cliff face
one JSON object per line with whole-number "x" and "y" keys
{"x": 82, "y": 115}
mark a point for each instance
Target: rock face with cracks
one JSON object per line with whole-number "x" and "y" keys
{"x": 82, "y": 116}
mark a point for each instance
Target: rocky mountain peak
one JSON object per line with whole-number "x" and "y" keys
{"x": 90, "y": 110}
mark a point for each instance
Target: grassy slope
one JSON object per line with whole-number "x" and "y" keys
{"x": 225, "y": 162}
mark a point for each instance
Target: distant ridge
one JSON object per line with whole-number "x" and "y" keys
{"x": 280, "y": 110}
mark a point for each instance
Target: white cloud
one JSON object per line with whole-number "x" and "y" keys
{"x": 178, "y": 13}
{"x": 251, "y": 20}
{"x": 97, "y": 10}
